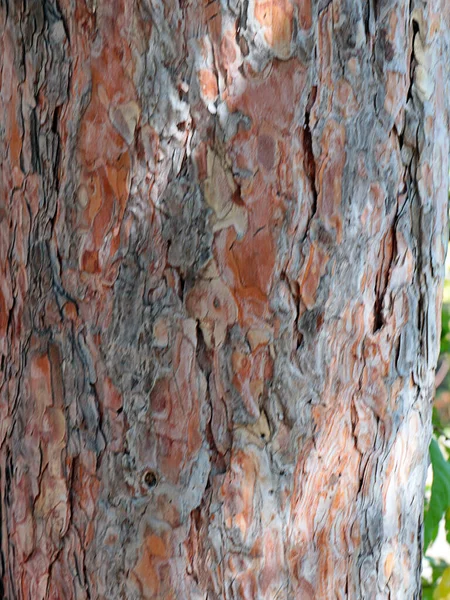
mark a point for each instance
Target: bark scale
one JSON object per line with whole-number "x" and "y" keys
{"x": 222, "y": 236}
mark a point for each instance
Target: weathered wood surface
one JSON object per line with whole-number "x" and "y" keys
{"x": 222, "y": 231}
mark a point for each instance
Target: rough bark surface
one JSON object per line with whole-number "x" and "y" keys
{"x": 222, "y": 235}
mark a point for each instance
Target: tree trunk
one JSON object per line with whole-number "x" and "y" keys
{"x": 222, "y": 234}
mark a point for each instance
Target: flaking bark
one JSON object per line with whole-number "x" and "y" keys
{"x": 222, "y": 236}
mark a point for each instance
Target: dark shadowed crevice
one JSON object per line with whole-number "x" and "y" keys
{"x": 378, "y": 312}
{"x": 382, "y": 281}
{"x": 309, "y": 162}
{"x": 34, "y": 139}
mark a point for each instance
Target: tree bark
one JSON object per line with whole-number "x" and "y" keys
{"x": 222, "y": 235}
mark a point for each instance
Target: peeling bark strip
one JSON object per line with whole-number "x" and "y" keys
{"x": 222, "y": 236}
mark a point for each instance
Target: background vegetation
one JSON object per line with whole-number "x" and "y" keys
{"x": 436, "y": 572}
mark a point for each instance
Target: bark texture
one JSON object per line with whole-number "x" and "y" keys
{"x": 222, "y": 234}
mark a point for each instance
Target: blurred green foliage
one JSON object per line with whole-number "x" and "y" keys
{"x": 436, "y": 586}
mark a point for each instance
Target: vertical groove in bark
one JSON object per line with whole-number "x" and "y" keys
{"x": 222, "y": 236}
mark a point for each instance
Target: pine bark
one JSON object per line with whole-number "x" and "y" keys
{"x": 222, "y": 234}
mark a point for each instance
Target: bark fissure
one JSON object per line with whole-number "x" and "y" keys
{"x": 309, "y": 160}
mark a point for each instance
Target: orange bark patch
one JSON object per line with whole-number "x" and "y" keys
{"x": 156, "y": 546}
{"x": 111, "y": 396}
{"x": 15, "y": 136}
{"x": 304, "y": 8}
{"x": 152, "y": 568}
{"x": 311, "y": 274}
{"x": 106, "y": 131}
{"x": 258, "y": 99}
{"x": 41, "y": 382}
{"x": 147, "y": 575}
{"x": 89, "y": 262}
{"x": 254, "y": 256}
{"x": 208, "y": 84}
{"x": 247, "y": 264}
{"x": 275, "y": 16}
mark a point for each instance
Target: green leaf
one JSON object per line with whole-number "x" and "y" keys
{"x": 445, "y": 326}
{"x": 436, "y": 419}
{"x": 440, "y": 494}
{"x": 447, "y": 524}
{"x": 427, "y": 591}
{"x": 437, "y": 569}
{"x": 445, "y": 314}
{"x": 442, "y": 591}
{"x": 445, "y": 345}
